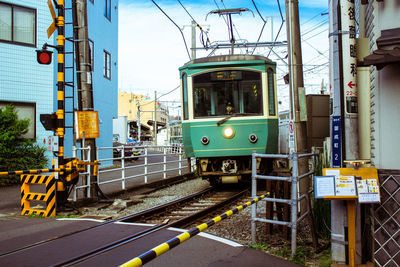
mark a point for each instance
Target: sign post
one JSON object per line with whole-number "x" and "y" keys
{"x": 350, "y": 185}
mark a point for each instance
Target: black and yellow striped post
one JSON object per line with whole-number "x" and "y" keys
{"x": 62, "y": 193}
{"x": 161, "y": 249}
{"x": 49, "y": 197}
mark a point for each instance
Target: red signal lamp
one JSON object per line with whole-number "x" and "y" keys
{"x": 44, "y": 56}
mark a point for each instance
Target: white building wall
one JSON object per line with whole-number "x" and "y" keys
{"x": 385, "y": 90}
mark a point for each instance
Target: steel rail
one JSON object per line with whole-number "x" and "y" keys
{"x": 184, "y": 221}
{"x": 198, "y": 215}
{"x": 128, "y": 217}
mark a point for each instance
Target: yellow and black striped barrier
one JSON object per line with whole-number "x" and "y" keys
{"x": 68, "y": 170}
{"x": 49, "y": 197}
{"x": 161, "y": 249}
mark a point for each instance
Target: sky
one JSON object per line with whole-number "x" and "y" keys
{"x": 151, "y": 47}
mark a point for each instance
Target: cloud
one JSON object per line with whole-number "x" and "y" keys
{"x": 151, "y": 48}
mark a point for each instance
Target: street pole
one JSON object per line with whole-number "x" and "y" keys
{"x": 155, "y": 118}
{"x": 139, "y": 125}
{"x": 338, "y": 209}
{"x": 84, "y": 75}
{"x": 194, "y": 24}
{"x": 296, "y": 81}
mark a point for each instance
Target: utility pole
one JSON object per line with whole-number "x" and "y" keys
{"x": 194, "y": 24}
{"x": 139, "y": 125}
{"x": 296, "y": 81}
{"x": 155, "y": 118}
{"x": 338, "y": 209}
{"x": 84, "y": 74}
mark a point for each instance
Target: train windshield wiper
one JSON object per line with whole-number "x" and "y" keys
{"x": 220, "y": 122}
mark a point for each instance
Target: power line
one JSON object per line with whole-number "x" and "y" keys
{"x": 258, "y": 11}
{"x": 205, "y": 45}
{"x": 280, "y": 28}
{"x": 187, "y": 50}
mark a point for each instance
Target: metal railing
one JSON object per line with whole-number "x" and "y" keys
{"x": 83, "y": 176}
{"x": 162, "y": 160}
{"x": 294, "y": 179}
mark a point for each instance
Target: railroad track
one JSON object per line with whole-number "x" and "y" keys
{"x": 185, "y": 211}
{"x": 178, "y": 213}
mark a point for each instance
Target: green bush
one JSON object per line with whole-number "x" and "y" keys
{"x": 16, "y": 152}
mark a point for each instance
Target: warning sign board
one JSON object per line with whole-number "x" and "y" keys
{"x": 87, "y": 122}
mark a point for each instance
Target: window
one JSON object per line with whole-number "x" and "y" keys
{"x": 91, "y": 1}
{"x": 271, "y": 92}
{"x": 185, "y": 97}
{"x": 107, "y": 10}
{"x": 17, "y": 24}
{"x": 25, "y": 110}
{"x": 107, "y": 65}
{"x": 226, "y": 92}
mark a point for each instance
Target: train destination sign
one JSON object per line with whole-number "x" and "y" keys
{"x": 226, "y": 75}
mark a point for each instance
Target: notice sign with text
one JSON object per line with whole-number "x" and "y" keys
{"x": 368, "y": 191}
{"x": 87, "y": 124}
{"x": 345, "y": 186}
{"x": 324, "y": 186}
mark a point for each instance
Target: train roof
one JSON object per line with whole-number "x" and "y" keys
{"x": 225, "y": 58}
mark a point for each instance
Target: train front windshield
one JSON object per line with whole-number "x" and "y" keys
{"x": 222, "y": 93}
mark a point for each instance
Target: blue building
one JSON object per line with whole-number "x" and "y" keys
{"x": 103, "y": 38}
{"x": 32, "y": 87}
{"x": 23, "y": 82}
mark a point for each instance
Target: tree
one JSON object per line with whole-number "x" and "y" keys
{"x": 17, "y": 152}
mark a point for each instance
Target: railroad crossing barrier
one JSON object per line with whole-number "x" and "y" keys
{"x": 30, "y": 177}
{"x": 293, "y": 202}
{"x": 179, "y": 239}
{"x": 49, "y": 197}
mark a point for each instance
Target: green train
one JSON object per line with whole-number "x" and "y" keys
{"x": 229, "y": 110}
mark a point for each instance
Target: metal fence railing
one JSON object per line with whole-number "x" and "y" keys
{"x": 294, "y": 179}
{"x": 160, "y": 161}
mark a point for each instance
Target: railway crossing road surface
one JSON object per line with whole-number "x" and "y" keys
{"x": 201, "y": 250}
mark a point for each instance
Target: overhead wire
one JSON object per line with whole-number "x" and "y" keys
{"x": 280, "y": 28}
{"x": 262, "y": 29}
{"x": 202, "y": 32}
{"x": 184, "y": 40}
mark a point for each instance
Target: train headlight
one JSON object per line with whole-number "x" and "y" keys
{"x": 229, "y": 132}
{"x": 253, "y": 138}
{"x": 205, "y": 140}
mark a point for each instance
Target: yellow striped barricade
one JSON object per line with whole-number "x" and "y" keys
{"x": 49, "y": 197}
{"x": 161, "y": 249}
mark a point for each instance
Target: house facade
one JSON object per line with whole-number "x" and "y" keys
{"x": 23, "y": 82}
{"x": 379, "y": 23}
{"x": 102, "y": 18}
{"x": 31, "y": 87}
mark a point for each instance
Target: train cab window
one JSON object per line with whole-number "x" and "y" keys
{"x": 222, "y": 93}
{"x": 185, "y": 97}
{"x": 271, "y": 92}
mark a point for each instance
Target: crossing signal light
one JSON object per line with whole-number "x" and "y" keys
{"x": 44, "y": 56}
{"x": 49, "y": 121}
